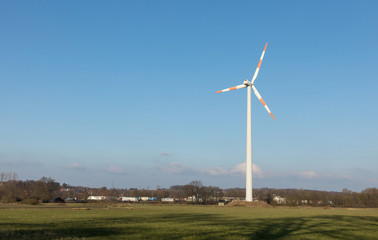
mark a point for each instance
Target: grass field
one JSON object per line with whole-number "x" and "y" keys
{"x": 138, "y": 221}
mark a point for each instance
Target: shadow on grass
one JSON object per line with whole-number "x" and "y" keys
{"x": 199, "y": 226}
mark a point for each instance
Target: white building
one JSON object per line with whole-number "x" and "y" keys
{"x": 129, "y": 199}
{"x": 97, "y": 198}
{"x": 167, "y": 199}
{"x": 279, "y": 199}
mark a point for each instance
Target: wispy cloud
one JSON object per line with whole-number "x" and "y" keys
{"x": 309, "y": 174}
{"x": 362, "y": 170}
{"x": 177, "y": 168}
{"x": 304, "y": 178}
{"x": 236, "y": 170}
{"x": 373, "y": 181}
{"x": 76, "y": 166}
{"x": 216, "y": 171}
{"x": 336, "y": 176}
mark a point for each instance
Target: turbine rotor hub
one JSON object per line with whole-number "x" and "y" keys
{"x": 247, "y": 83}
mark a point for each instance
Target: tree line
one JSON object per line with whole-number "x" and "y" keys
{"x": 47, "y": 189}
{"x": 30, "y": 191}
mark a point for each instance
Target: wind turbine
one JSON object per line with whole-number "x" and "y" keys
{"x": 250, "y": 84}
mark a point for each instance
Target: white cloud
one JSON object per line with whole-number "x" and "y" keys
{"x": 257, "y": 171}
{"x": 308, "y": 174}
{"x": 240, "y": 168}
{"x": 216, "y": 171}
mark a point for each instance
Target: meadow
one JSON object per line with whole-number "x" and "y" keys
{"x": 146, "y": 221}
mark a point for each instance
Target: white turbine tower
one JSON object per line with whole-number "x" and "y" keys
{"x": 249, "y": 85}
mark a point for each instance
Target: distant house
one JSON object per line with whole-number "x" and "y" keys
{"x": 128, "y": 199}
{"x": 168, "y": 199}
{"x": 229, "y": 199}
{"x": 279, "y": 199}
{"x": 97, "y": 198}
{"x": 191, "y": 199}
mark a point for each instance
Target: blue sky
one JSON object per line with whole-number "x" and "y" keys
{"x": 122, "y": 93}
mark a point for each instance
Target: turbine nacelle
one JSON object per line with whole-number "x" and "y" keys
{"x": 247, "y": 83}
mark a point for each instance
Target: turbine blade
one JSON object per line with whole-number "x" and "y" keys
{"x": 258, "y": 66}
{"x": 262, "y": 101}
{"x": 232, "y": 88}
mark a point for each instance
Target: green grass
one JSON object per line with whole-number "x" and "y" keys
{"x": 138, "y": 221}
